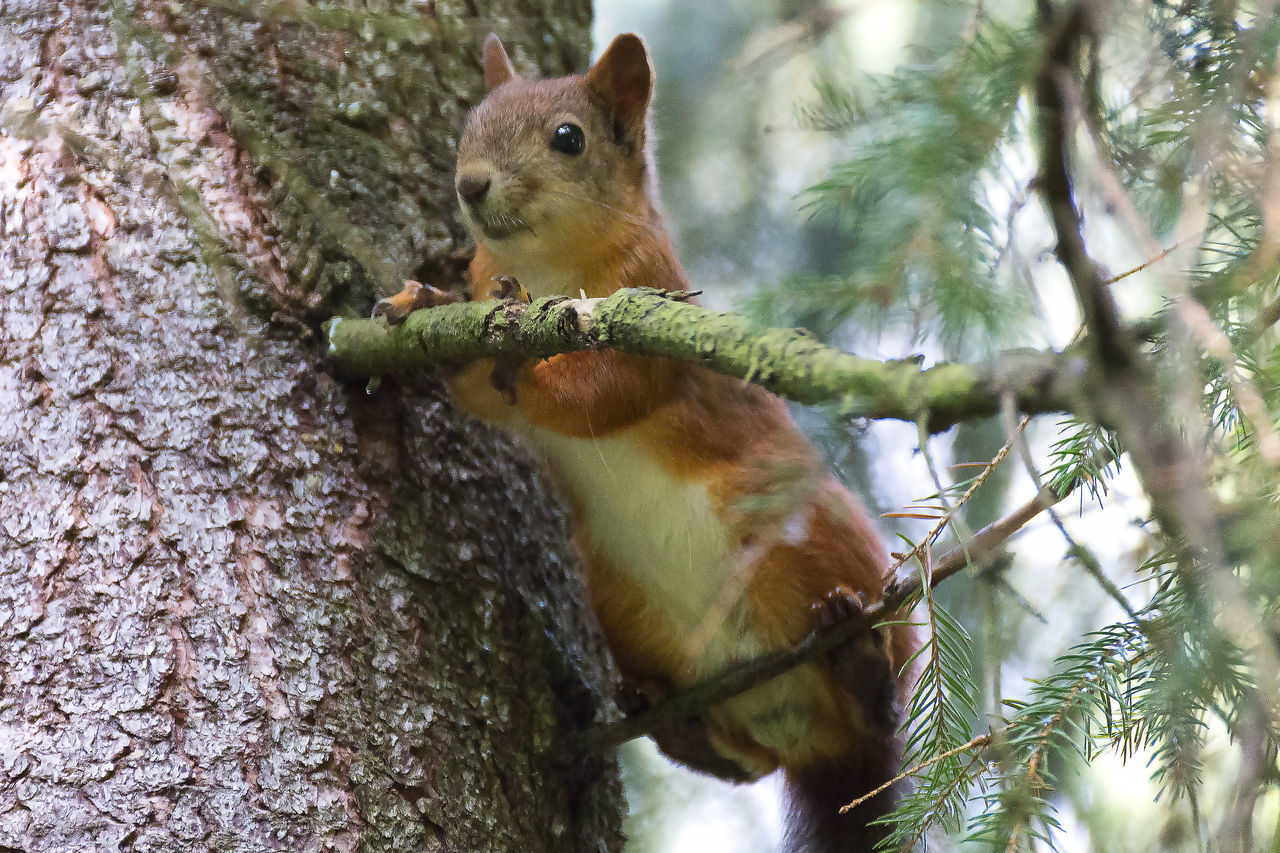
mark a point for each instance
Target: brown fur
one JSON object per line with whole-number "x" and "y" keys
{"x": 589, "y": 224}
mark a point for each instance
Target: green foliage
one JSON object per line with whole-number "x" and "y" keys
{"x": 1065, "y": 715}
{"x": 1084, "y": 456}
{"x": 912, "y": 198}
{"x": 929, "y": 233}
{"x": 1141, "y": 686}
{"x": 938, "y": 720}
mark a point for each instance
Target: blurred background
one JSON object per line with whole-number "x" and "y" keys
{"x": 916, "y": 242}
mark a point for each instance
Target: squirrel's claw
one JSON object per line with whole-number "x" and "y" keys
{"x": 838, "y": 605}
{"x": 686, "y": 741}
{"x": 634, "y": 695}
{"x": 509, "y": 288}
{"x": 411, "y": 297}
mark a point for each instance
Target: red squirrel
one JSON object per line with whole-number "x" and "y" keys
{"x": 708, "y": 529}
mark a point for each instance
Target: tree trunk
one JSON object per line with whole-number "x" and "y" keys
{"x": 244, "y": 606}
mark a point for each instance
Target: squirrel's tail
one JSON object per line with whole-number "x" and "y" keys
{"x": 816, "y": 792}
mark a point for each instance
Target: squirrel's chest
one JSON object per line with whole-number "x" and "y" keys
{"x": 661, "y": 529}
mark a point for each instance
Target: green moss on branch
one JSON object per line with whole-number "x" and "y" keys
{"x": 788, "y": 362}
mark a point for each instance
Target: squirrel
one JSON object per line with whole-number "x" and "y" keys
{"x": 708, "y": 530}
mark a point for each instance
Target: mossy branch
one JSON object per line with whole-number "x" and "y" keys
{"x": 788, "y": 362}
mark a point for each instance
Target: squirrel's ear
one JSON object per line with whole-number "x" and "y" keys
{"x": 497, "y": 65}
{"x": 623, "y": 78}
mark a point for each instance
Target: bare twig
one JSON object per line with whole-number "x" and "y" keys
{"x": 951, "y": 513}
{"x": 779, "y": 42}
{"x": 1142, "y": 266}
{"x": 981, "y": 741}
{"x": 919, "y": 548}
{"x": 1082, "y": 554}
{"x": 1236, "y": 833}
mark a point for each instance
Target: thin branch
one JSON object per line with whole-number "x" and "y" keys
{"x": 1168, "y": 469}
{"x": 1268, "y": 317}
{"x": 929, "y": 538}
{"x": 788, "y": 362}
{"x": 1142, "y": 266}
{"x": 983, "y": 543}
{"x": 978, "y": 742}
{"x": 1216, "y": 343}
{"x": 956, "y": 782}
{"x": 950, "y": 513}
{"x": 1082, "y": 554}
{"x": 780, "y": 42}
{"x": 1236, "y": 831}
{"x": 1065, "y": 31}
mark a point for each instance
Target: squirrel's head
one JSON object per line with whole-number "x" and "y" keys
{"x": 555, "y": 169}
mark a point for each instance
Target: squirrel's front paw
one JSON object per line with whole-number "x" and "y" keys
{"x": 510, "y": 289}
{"x": 685, "y": 741}
{"x": 411, "y": 297}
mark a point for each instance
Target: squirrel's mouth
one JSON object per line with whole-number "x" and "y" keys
{"x": 502, "y": 227}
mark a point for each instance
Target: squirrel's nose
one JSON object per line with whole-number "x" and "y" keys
{"x": 472, "y": 189}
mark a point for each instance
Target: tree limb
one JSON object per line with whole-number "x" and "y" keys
{"x": 1172, "y": 472}
{"x": 1169, "y": 470}
{"x": 788, "y": 362}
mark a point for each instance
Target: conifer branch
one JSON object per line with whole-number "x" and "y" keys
{"x": 1169, "y": 470}
{"x": 979, "y": 742}
{"x": 788, "y": 362}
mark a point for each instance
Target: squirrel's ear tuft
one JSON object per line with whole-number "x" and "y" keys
{"x": 497, "y": 65}
{"x": 623, "y": 78}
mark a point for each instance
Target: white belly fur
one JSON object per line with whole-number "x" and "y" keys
{"x": 663, "y": 531}
{"x": 660, "y": 529}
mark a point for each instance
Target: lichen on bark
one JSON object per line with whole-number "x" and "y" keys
{"x": 245, "y": 606}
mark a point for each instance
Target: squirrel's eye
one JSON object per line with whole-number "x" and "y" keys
{"x": 568, "y": 139}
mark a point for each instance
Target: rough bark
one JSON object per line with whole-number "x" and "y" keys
{"x": 244, "y": 606}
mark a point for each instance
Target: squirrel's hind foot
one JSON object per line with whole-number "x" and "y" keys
{"x": 861, "y": 663}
